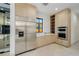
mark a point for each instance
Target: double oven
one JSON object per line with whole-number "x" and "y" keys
{"x": 62, "y": 32}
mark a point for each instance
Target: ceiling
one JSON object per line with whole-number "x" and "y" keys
{"x": 50, "y": 8}
{"x": 5, "y": 5}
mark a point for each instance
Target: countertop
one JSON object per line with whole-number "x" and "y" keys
{"x": 43, "y": 34}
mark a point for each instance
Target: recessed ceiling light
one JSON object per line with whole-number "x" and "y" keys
{"x": 2, "y": 9}
{"x": 56, "y": 8}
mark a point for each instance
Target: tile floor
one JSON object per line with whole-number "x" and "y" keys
{"x": 5, "y": 54}
{"x": 52, "y": 50}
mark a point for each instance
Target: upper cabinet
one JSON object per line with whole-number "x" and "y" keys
{"x": 62, "y": 18}
{"x": 26, "y": 10}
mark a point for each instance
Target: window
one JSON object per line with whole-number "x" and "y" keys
{"x": 39, "y": 25}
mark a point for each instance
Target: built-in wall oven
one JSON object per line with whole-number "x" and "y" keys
{"x": 62, "y": 32}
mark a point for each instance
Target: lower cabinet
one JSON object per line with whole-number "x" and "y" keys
{"x": 44, "y": 40}
{"x": 65, "y": 43}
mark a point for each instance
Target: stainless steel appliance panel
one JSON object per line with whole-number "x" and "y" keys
{"x": 20, "y": 41}
{"x": 30, "y": 35}
{"x": 30, "y": 41}
{"x": 26, "y": 41}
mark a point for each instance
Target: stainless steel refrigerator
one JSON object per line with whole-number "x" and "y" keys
{"x": 25, "y": 34}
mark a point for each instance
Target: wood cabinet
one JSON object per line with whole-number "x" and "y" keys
{"x": 52, "y": 24}
{"x": 63, "y": 18}
{"x": 45, "y": 40}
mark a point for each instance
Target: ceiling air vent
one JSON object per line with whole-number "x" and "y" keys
{"x": 45, "y": 4}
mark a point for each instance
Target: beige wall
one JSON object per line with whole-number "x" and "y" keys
{"x": 74, "y": 27}
{"x": 24, "y": 9}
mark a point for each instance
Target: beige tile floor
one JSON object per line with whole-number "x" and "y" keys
{"x": 5, "y": 54}
{"x": 52, "y": 50}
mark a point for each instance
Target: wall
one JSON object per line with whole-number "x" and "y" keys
{"x": 25, "y": 10}
{"x": 74, "y": 27}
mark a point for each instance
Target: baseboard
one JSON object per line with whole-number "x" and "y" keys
{"x": 26, "y": 51}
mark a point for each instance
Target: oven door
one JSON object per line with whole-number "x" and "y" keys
{"x": 62, "y": 35}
